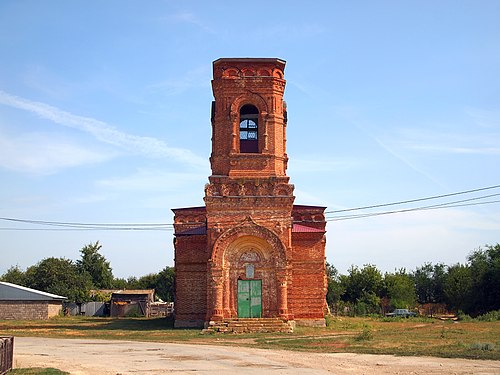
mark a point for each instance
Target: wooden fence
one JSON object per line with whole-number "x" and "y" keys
{"x": 6, "y": 354}
{"x": 162, "y": 309}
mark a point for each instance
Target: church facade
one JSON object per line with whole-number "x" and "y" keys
{"x": 249, "y": 252}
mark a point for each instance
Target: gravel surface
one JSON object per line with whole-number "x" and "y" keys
{"x": 83, "y": 356}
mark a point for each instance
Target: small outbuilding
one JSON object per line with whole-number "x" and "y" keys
{"x": 131, "y": 303}
{"x": 21, "y": 303}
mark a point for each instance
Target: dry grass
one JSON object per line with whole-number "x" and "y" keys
{"x": 418, "y": 337}
{"x": 38, "y": 371}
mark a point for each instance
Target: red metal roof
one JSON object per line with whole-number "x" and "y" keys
{"x": 298, "y": 228}
{"x": 202, "y": 230}
{"x": 193, "y": 231}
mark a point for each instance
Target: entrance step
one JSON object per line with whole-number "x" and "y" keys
{"x": 249, "y": 325}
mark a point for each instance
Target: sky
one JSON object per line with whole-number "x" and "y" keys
{"x": 105, "y": 119}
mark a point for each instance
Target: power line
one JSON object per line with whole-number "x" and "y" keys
{"x": 61, "y": 226}
{"x": 78, "y": 226}
{"x": 434, "y": 207}
{"x": 442, "y": 205}
{"x": 66, "y": 229}
{"x": 414, "y": 200}
{"x": 61, "y": 223}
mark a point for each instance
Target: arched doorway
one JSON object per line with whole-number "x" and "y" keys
{"x": 248, "y": 274}
{"x": 250, "y": 266}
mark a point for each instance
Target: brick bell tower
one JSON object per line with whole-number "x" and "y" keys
{"x": 249, "y": 253}
{"x": 249, "y": 194}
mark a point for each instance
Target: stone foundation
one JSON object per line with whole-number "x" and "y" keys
{"x": 310, "y": 322}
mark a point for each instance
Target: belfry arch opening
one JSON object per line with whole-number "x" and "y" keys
{"x": 249, "y": 129}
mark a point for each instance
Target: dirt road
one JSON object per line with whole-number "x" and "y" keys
{"x": 79, "y": 356}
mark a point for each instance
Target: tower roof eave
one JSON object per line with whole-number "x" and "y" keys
{"x": 252, "y": 60}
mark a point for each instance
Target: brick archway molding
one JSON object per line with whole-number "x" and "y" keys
{"x": 225, "y": 268}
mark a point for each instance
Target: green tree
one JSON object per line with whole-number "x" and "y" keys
{"x": 165, "y": 284}
{"x": 363, "y": 288}
{"x": 429, "y": 281}
{"x": 458, "y": 288}
{"x": 14, "y": 275}
{"x": 133, "y": 283}
{"x": 162, "y": 283}
{"x": 485, "y": 270}
{"x": 335, "y": 287}
{"x": 400, "y": 289}
{"x": 59, "y": 276}
{"x": 95, "y": 265}
{"x": 120, "y": 283}
{"x": 148, "y": 281}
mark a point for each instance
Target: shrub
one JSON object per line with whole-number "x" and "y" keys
{"x": 486, "y": 346}
{"x": 491, "y": 316}
{"x": 329, "y": 320}
{"x": 463, "y": 317}
{"x": 366, "y": 334}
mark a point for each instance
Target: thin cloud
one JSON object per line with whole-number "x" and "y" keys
{"x": 195, "y": 78}
{"x": 404, "y": 160}
{"x": 484, "y": 118}
{"x": 318, "y": 163}
{"x": 286, "y": 31}
{"x": 154, "y": 180}
{"x": 91, "y": 198}
{"x": 309, "y": 90}
{"x": 44, "y": 154}
{"x": 458, "y": 150}
{"x": 192, "y": 19}
{"x": 303, "y": 197}
{"x": 406, "y": 240}
{"x": 350, "y": 114}
{"x": 104, "y": 132}
{"x": 448, "y": 143}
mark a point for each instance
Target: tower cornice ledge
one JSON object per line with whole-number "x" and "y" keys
{"x": 251, "y": 60}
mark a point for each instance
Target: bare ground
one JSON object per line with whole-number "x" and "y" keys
{"x": 86, "y": 356}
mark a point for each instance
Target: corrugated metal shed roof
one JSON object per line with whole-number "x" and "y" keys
{"x": 134, "y": 291}
{"x": 14, "y": 292}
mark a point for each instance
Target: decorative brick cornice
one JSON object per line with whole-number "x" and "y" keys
{"x": 248, "y": 188}
{"x": 249, "y": 228}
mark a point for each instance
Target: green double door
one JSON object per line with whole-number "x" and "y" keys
{"x": 249, "y": 298}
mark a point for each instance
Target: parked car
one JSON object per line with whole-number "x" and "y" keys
{"x": 401, "y": 313}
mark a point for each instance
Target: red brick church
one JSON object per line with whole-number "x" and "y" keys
{"x": 249, "y": 252}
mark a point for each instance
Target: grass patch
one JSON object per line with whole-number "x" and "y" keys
{"x": 415, "y": 336}
{"x": 491, "y": 316}
{"x": 365, "y": 335}
{"x": 38, "y": 371}
{"x": 405, "y": 337}
{"x": 483, "y": 346}
{"x": 158, "y": 329}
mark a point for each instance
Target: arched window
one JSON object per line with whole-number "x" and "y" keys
{"x": 249, "y": 129}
